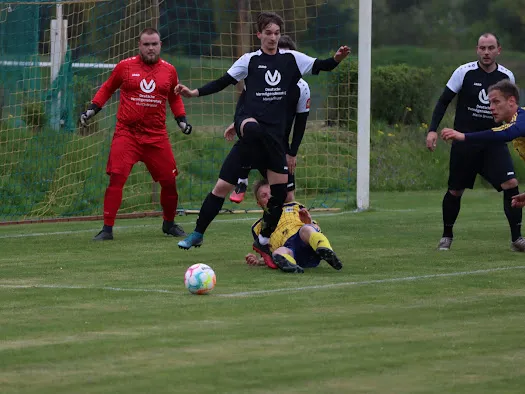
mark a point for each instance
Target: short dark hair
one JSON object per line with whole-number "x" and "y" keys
{"x": 265, "y": 18}
{"x": 149, "y": 31}
{"x": 257, "y": 185}
{"x": 286, "y": 42}
{"x": 488, "y": 34}
{"x": 507, "y": 89}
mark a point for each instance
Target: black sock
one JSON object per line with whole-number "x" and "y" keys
{"x": 451, "y": 207}
{"x": 210, "y": 208}
{"x": 107, "y": 229}
{"x": 513, "y": 214}
{"x": 168, "y": 223}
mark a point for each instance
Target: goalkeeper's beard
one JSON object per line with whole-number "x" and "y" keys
{"x": 150, "y": 60}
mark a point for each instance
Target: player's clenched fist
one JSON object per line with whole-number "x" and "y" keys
{"x": 252, "y": 259}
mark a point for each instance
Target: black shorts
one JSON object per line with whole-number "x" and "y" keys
{"x": 492, "y": 162}
{"x": 232, "y": 166}
{"x": 268, "y": 150}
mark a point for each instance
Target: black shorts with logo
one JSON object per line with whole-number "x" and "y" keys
{"x": 492, "y": 161}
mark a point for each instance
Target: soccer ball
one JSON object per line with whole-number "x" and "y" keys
{"x": 199, "y": 279}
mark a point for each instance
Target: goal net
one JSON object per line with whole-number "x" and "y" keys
{"x": 55, "y": 55}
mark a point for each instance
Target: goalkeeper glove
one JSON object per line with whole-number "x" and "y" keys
{"x": 185, "y": 127}
{"x": 92, "y": 110}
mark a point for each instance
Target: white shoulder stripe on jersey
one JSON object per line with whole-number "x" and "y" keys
{"x": 239, "y": 69}
{"x": 456, "y": 80}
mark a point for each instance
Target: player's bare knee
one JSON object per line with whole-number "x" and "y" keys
{"x": 510, "y": 184}
{"x": 457, "y": 193}
{"x": 290, "y": 196}
{"x": 222, "y": 188}
{"x": 243, "y": 124}
{"x": 305, "y": 232}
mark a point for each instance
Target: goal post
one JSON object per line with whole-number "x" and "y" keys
{"x": 51, "y": 168}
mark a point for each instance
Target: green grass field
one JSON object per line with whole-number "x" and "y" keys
{"x": 114, "y": 317}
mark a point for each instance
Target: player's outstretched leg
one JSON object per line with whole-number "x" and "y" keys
{"x": 322, "y": 247}
{"x": 287, "y": 263}
{"x": 195, "y": 239}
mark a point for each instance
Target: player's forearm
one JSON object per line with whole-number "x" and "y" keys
{"x": 298, "y": 132}
{"x": 510, "y": 133}
{"x": 324, "y": 65}
{"x": 441, "y": 107}
{"x": 217, "y": 85}
{"x": 176, "y": 105}
{"x": 103, "y": 95}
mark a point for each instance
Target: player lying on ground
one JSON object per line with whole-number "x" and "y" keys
{"x": 269, "y": 74}
{"x": 298, "y": 103}
{"x": 504, "y": 104}
{"x": 297, "y": 242}
{"x": 146, "y": 82}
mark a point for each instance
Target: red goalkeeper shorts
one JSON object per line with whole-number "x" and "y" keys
{"x": 128, "y": 148}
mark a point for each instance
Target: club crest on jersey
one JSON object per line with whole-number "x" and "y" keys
{"x": 147, "y": 87}
{"x": 483, "y": 97}
{"x": 274, "y": 79}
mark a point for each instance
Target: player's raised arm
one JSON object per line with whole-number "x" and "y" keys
{"x": 310, "y": 65}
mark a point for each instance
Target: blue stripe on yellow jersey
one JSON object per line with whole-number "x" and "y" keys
{"x": 288, "y": 225}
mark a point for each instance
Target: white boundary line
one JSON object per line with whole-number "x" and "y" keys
{"x": 279, "y": 290}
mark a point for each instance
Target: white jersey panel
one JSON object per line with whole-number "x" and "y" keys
{"x": 303, "y": 105}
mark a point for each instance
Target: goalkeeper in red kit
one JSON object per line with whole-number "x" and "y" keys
{"x": 146, "y": 82}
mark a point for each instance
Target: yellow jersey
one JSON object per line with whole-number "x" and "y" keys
{"x": 289, "y": 224}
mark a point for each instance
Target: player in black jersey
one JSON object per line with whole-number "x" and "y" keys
{"x": 268, "y": 75}
{"x": 298, "y": 101}
{"x": 470, "y": 82}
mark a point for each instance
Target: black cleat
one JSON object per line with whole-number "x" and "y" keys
{"x": 329, "y": 256}
{"x": 103, "y": 236}
{"x": 175, "y": 230}
{"x": 287, "y": 266}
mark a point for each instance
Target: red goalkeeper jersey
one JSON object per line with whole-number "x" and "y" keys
{"x": 144, "y": 89}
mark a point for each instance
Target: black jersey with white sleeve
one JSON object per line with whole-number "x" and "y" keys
{"x": 471, "y": 83}
{"x": 268, "y": 80}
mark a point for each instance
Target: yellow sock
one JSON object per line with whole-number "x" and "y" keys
{"x": 289, "y": 258}
{"x": 318, "y": 240}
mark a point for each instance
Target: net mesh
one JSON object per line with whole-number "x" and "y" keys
{"x": 51, "y": 168}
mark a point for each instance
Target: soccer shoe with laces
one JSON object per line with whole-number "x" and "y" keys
{"x": 518, "y": 245}
{"x": 268, "y": 260}
{"x": 103, "y": 236}
{"x": 287, "y": 266}
{"x": 238, "y": 194}
{"x": 330, "y": 257}
{"x": 445, "y": 243}
{"x": 195, "y": 239}
{"x": 174, "y": 230}
{"x": 261, "y": 249}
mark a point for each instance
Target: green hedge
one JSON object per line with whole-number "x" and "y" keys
{"x": 401, "y": 94}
